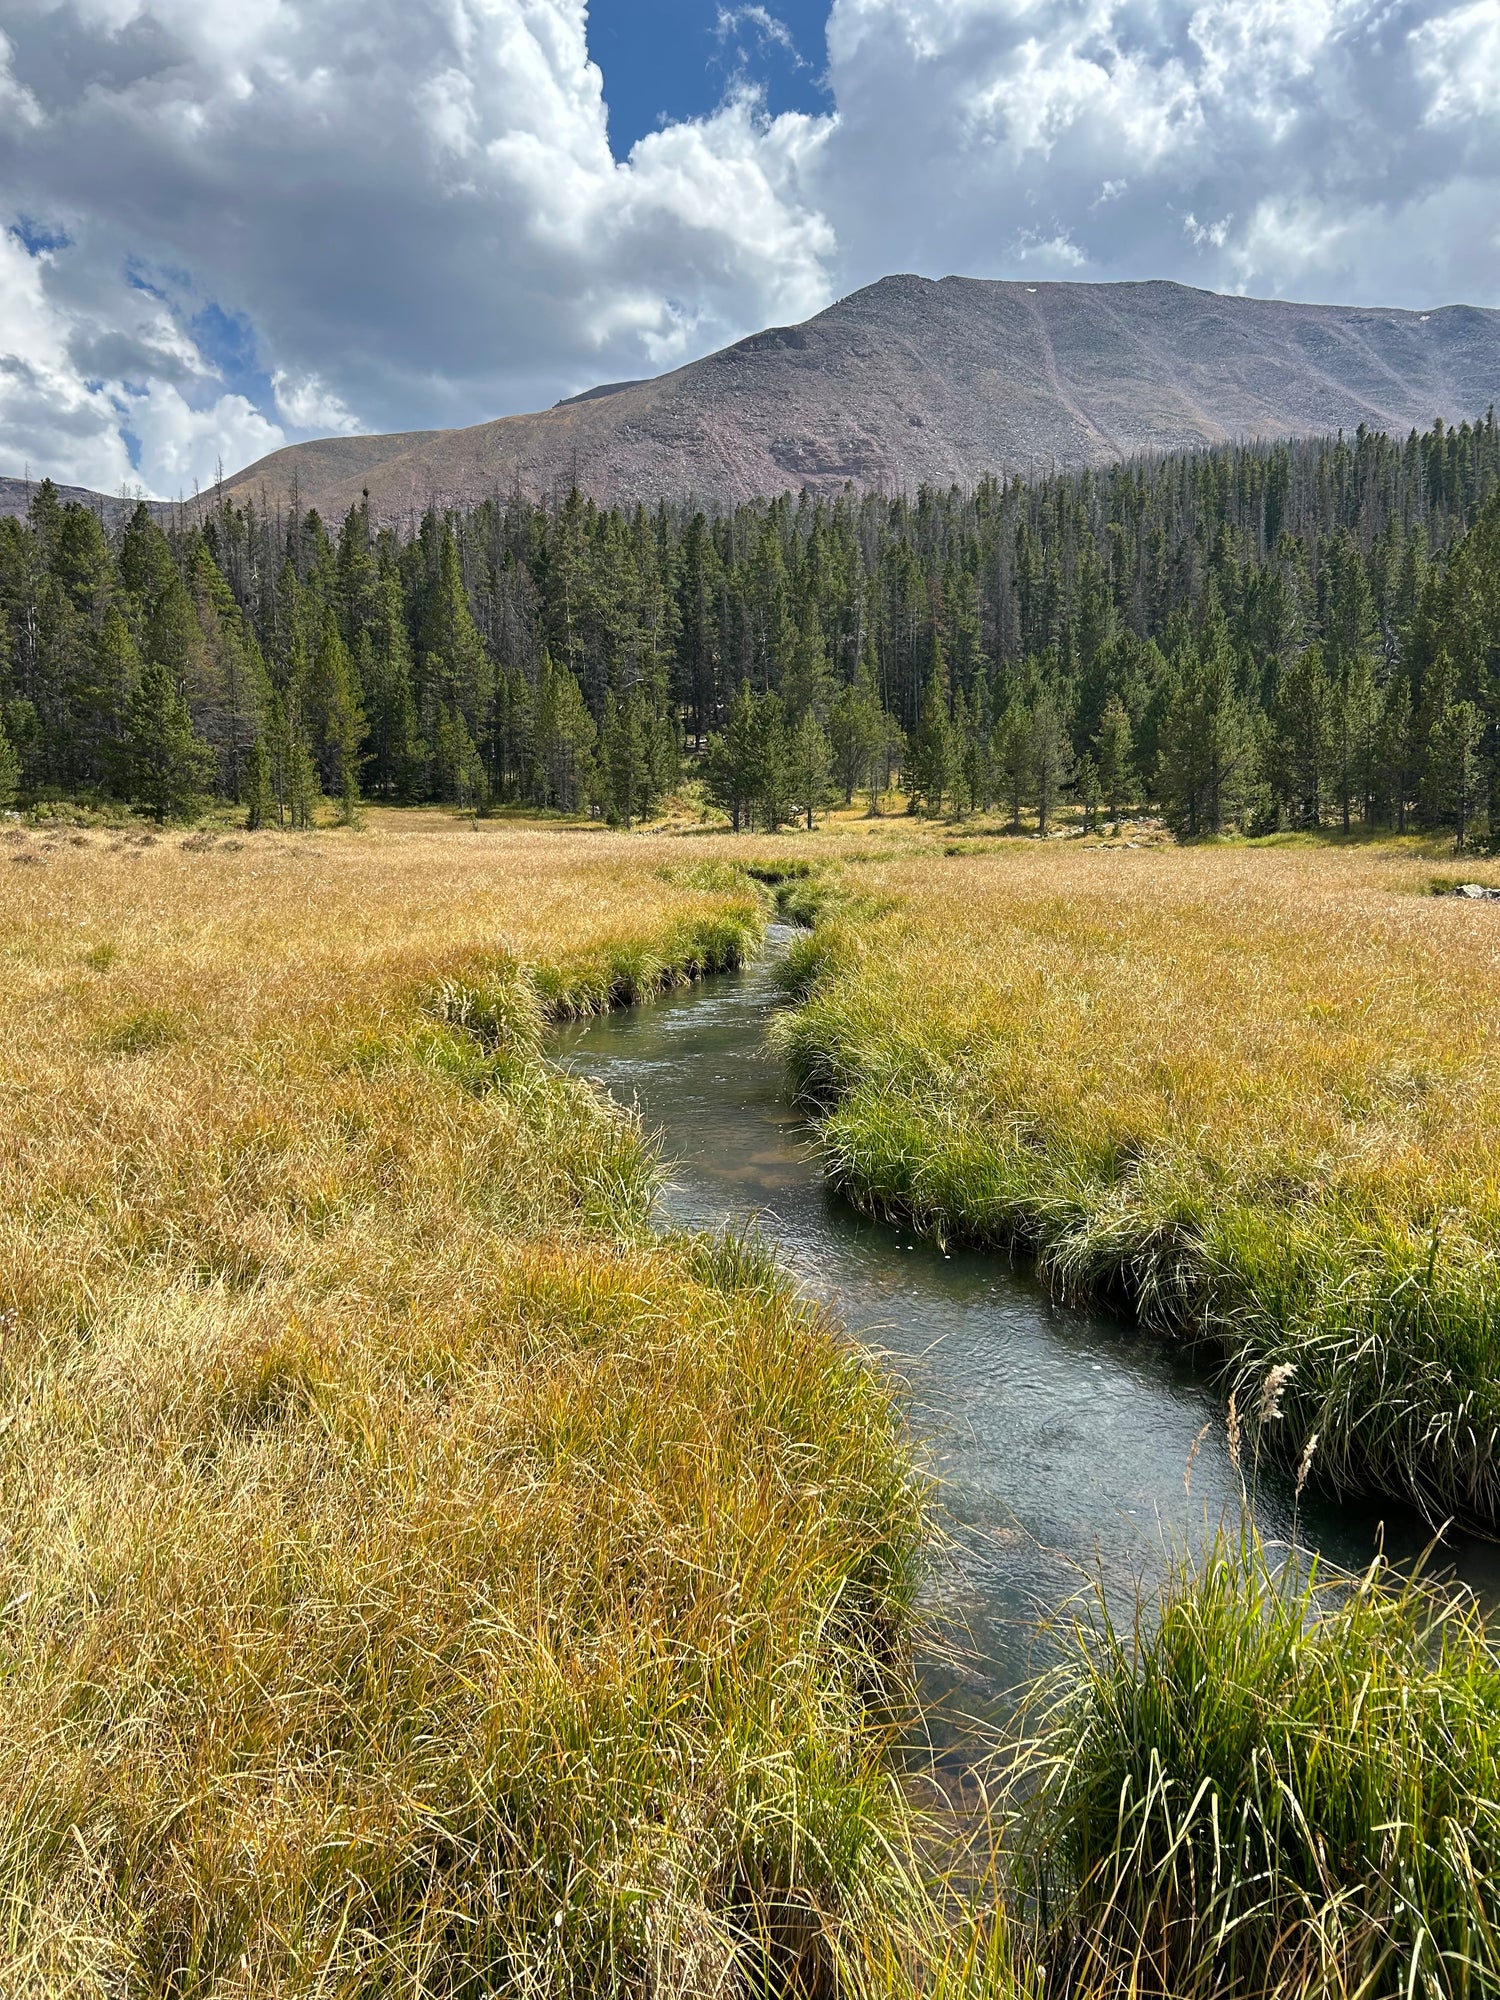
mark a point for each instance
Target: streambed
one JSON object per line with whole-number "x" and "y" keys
{"x": 1061, "y": 1437}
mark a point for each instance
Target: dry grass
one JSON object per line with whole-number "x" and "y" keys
{"x": 1258, "y": 1092}
{"x": 414, "y": 1580}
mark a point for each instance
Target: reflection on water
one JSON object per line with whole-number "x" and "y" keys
{"x": 1061, "y": 1437}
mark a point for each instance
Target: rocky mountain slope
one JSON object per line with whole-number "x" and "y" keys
{"x": 914, "y": 380}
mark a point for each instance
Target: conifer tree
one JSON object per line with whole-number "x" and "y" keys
{"x": 1112, "y": 752}
{"x": 1451, "y": 780}
{"x": 10, "y": 770}
{"x": 745, "y": 767}
{"x": 170, "y": 765}
{"x": 260, "y": 802}
{"x": 1051, "y": 759}
{"x": 1397, "y": 753}
{"x": 333, "y": 710}
{"x": 302, "y": 790}
{"x": 807, "y": 682}
{"x": 1206, "y": 742}
{"x": 564, "y": 736}
{"x": 857, "y": 728}
{"x": 101, "y": 705}
{"x": 1086, "y": 785}
{"x": 1013, "y": 759}
{"x": 623, "y": 754}
{"x": 1302, "y": 752}
{"x": 809, "y": 767}
{"x": 931, "y": 755}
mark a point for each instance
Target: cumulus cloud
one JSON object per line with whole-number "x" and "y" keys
{"x": 308, "y": 404}
{"x": 412, "y": 203}
{"x": 237, "y": 221}
{"x": 1343, "y": 149}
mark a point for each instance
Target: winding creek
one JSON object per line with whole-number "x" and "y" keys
{"x": 1061, "y": 1437}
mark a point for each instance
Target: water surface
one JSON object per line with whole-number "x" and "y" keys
{"x": 1062, "y": 1438}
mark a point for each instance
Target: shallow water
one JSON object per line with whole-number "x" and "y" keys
{"x": 1062, "y": 1438}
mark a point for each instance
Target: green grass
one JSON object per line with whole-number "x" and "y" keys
{"x": 1270, "y": 1784}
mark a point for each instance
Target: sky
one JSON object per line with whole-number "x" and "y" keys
{"x": 226, "y": 225}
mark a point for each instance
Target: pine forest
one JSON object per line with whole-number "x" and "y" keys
{"x": 1251, "y": 637}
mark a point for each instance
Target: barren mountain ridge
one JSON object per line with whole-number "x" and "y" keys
{"x": 915, "y": 380}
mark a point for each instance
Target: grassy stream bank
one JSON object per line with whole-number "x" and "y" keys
{"x": 417, "y": 1578}
{"x": 1254, "y": 1097}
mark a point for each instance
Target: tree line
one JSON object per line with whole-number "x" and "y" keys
{"x": 1295, "y": 634}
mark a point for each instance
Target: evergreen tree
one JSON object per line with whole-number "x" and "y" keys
{"x": 809, "y": 767}
{"x": 931, "y": 756}
{"x": 458, "y": 776}
{"x": 1051, "y": 759}
{"x": 260, "y": 802}
{"x": 565, "y": 737}
{"x": 807, "y": 683}
{"x": 1086, "y": 785}
{"x": 302, "y": 790}
{"x": 10, "y": 770}
{"x": 1013, "y": 759}
{"x": 1451, "y": 780}
{"x": 1383, "y": 554}
{"x": 857, "y": 729}
{"x": 624, "y": 753}
{"x": 1112, "y": 750}
{"x": 333, "y": 710}
{"x": 170, "y": 765}
{"x": 1206, "y": 740}
{"x": 1303, "y": 750}
{"x": 745, "y": 769}
{"x": 1397, "y": 754}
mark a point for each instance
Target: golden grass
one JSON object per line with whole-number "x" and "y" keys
{"x": 1256, "y": 1090}
{"x": 414, "y": 1580}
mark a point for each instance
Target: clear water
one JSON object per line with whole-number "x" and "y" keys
{"x": 1062, "y": 1438}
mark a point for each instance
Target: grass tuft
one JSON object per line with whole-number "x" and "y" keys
{"x": 1273, "y": 1783}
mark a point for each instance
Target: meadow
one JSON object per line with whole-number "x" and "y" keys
{"x": 416, "y": 1579}
{"x": 421, "y": 1578}
{"x": 1252, "y": 1094}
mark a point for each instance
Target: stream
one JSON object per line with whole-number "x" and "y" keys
{"x": 1061, "y": 1437}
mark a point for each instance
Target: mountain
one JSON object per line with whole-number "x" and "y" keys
{"x": 15, "y": 498}
{"x": 914, "y": 380}
{"x": 917, "y": 380}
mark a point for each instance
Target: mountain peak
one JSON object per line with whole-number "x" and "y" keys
{"x": 915, "y": 380}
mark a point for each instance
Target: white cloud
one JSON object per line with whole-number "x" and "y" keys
{"x": 1215, "y": 234}
{"x": 182, "y": 448}
{"x": 406, "y": 212}
{"x": 1328, "y": 146}
{"x": 307, "y": 404}
{"x": 413, "y": 204}
{"x": 1458, "y": 56}
{"x": 1031, "y": 247}
{"x": 15, "y": 100}
{"x": 51, "y": 417}
{"x": 75, "y": 425}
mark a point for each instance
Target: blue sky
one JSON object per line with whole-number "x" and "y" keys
{"x": 666, "y": 60}
{"x": 227, "y": 224}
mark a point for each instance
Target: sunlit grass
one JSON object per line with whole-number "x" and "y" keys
{"x": 415, "y": 1579}
{"x": 1271, "y": 1784}
{"x": 1255, "y": 1094}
